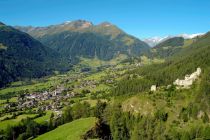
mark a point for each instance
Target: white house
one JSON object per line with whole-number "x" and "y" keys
{"x": 153, "y": 88}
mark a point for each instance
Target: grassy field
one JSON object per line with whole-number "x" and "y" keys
{"x": 5, "y": 116}
{"x": 97, "y": 63}
{"x": 44, "y": 118}
{"x": 96, "y": 76}
{"x": 37, "y": 86}
{"x": 70, "y": 131}
{"x": 13, "y": 122}
{"x": 33, "y": 85}
{"x": 147, "y": 61}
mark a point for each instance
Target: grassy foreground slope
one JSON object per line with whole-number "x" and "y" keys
{"x": 70, "y": 131}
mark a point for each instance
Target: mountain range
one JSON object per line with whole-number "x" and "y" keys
{"x": 81, "y": 38}
{"x": 133, "y": 99}
{"x": 30, "y": 52}
{"x": 153, "y": 41}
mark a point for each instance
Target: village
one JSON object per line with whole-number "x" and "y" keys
{"x": 49, "y": 100}
{"x": 67, "y": 90}
{"x": 55, "y": 98}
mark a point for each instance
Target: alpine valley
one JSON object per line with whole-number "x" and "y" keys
{"x": 77, "y": 80}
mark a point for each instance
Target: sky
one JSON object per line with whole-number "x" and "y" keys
{"x": 141, "y": 18}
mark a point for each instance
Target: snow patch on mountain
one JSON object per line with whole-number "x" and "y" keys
{"x": 155, "y": 40}
{"x": 67, "y": 22}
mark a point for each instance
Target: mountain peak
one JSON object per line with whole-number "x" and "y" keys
{"x": 67, "y": 22}
{"x": 78, "y": 24}
{"x": 106, "y": 24}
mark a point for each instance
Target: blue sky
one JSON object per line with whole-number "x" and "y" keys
{"x": 142, "y": 18}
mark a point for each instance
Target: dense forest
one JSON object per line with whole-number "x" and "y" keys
{"x": 73, "y": 45}
{"x": 21, "y": 56}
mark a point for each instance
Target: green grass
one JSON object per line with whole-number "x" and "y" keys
{"x": 13, "y": 122}
{"x": 38, "y": 86}
{"x": 44, "y": 118}
{"x": 5, "y": 116}
{"x": 35, "y": 85}
{"x": 97, "y": 63}
{"x": 188, "y": 42}
{"x": 147, "y": 61}
{"x": 70, "y": 131}
{"x": 96, "y": 76}
{"x": 100, "y": 87}
{"x": 2, "y": 101}
{"x": 13, "y": 99}
{"x": 93, "y": 102}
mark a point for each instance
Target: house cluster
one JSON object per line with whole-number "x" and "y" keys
{"x": 109, "y": 81}
{"x": 39, "y": 99}
{"x": 35, "y": 99}
{"x": 139, "y": 64}
{"x": 88, "y": 83}
{"x": 189, "y": 79}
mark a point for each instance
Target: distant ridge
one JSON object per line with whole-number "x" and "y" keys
{"x": 153, "y": 41}
{"x": 81, "y": 38}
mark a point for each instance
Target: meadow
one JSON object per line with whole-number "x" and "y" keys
{"x": 12, "y": 122}
{"x": 70, "y": 131}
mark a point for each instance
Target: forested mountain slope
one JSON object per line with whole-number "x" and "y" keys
{"x": 171, "y": 47}
{"x": 185, "y": 62}
{"x": 21, "y": 56}
{"x": 173, "y": 42}
{"x": 169, "y": 112}
{"x": 83, "y": 39}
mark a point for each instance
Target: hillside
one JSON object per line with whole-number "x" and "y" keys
{"x": 70, "y": 131}
{"x": 74, "y": 45}
{"x": 183, "y": 62}
{"x": 171, "y": 47}
{"x": 83, "y": 39}
{"x": 169, "y": 112}
{"x": 173, "y": 42}
{"x": 21, "y": 56}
